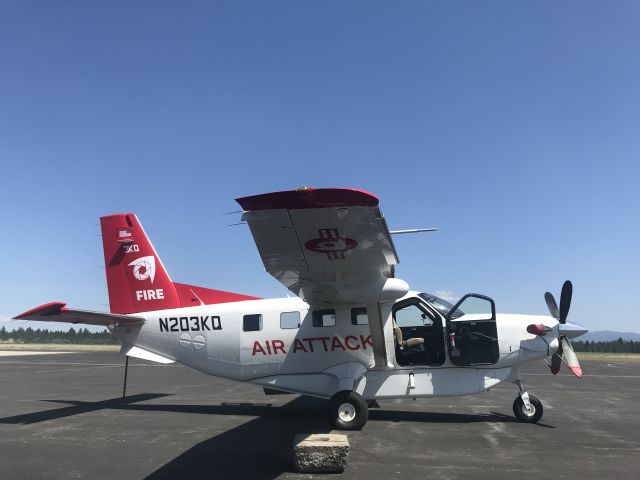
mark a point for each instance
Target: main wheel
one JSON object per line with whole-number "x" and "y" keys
{"x": 524, "y": 415}
{"x": 348, "y": 410}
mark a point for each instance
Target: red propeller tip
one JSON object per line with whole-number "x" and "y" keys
{"x": 577, "y": 371}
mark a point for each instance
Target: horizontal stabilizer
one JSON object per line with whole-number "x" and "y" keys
{"x": 137, "y": 352}
{"x": 58, "y": 312}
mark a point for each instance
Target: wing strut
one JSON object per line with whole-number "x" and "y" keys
{"x": 412, "y": 230}
{"x": 378, "y": 314}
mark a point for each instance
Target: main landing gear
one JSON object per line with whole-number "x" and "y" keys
{"x": 526, "y": 408}
{"x": 348, "y": 410}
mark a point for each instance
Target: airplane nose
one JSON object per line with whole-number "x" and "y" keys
{"x": 571, "y": 330}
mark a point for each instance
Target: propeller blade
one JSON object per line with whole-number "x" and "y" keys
{"x": 565, "y": 301}
{"x": 552, "y": 305}
{"x": 570, "y": 357}
{"x": 556, "y": 360}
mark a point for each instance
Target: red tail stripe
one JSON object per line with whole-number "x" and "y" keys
{"x": 136, "y": 278}
{"x": 208, "y": 296}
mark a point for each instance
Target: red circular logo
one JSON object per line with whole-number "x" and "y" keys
{"x": 331, "y": 243}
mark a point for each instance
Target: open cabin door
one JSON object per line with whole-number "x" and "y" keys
{"x": 472, "y": 334}
{"x": 418, "y": 334}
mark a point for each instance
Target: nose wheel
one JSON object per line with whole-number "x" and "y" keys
{"x": 530, "y": 414}
{"x": 526, "y": 408}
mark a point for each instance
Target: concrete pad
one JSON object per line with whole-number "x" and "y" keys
{"x": 325, "y": 452}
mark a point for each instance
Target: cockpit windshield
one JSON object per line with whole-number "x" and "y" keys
{"x": 441, "y": 305}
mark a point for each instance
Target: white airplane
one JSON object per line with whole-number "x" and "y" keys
{"x": 354, "y": 334}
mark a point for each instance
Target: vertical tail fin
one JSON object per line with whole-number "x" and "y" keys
{"x": 136, "y": 279}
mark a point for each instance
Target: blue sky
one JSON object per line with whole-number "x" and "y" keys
{"x": 514, "y": 127}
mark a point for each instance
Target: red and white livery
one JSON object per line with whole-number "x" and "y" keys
{"x": 353, "y": 334}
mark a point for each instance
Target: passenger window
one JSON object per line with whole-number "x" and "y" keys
{"x": 359, "y": 316}
{"x": 324, "y": 318}
{"x": 252, "y": 323}
{"x": 412, "y": 316}
{"x": 289, "y": 319}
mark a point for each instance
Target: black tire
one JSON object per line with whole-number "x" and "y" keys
{"x": 521, "y": 413}
{"x": 347, "y": 410}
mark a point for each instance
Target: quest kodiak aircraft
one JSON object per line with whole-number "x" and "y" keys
{"x": 353, "y": 334}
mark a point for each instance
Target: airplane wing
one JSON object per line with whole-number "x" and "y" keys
{"x": 328, "y": 246}
{"x": 58, "y": 312}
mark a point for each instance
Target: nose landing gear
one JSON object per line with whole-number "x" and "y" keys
{"x": 526, "y": 408}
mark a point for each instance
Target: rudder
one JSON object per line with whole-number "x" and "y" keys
{"x": 136, "y": 278}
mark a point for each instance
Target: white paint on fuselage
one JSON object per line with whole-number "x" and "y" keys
{"x": 517, "y": 345}
{"x": 233, "y": 353}
{"x": 297, "y": 359}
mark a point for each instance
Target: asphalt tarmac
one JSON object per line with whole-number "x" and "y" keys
{"x": 61, "y": 416}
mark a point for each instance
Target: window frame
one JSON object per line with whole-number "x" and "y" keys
{"x": 318, "y": 315}
{"x": 289, "y": 313}
{"x": 358, "y": 311}
{"x": 260, "y": 322}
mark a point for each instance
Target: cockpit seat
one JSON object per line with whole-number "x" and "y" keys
{"x": 403, "y": 344}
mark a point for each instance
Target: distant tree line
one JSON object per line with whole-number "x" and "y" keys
{"x": 80, "y": 335}
{"x": 613, "y": 346}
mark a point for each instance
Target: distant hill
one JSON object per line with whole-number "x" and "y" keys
{"x": 608, "y": 336}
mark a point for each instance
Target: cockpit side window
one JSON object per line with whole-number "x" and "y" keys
{"x": 412, "y": 316}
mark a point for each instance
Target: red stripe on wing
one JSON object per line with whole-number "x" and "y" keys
{"x": 309, "y": 198}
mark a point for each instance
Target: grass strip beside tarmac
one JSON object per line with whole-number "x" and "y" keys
{"x": 609, "y": 357}
{"x": 59, "y": 347}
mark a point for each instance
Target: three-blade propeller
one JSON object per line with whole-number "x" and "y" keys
{"x": 565, "y": 350}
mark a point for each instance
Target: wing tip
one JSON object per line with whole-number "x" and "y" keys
{"x": 310, "y": 198}
{"x": 51, "y": 308}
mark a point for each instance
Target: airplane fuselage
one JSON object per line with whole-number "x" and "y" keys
{"x": 283, "y": 344}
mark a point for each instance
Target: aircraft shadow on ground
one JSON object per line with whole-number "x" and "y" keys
{"x": 77, "y": 407}
{"x": 258, "y": 449}
{"x": 446, "y": 417}
{"x": 300, "y": 407}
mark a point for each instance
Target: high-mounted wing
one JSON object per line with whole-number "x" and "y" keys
{"x": 327, "y": 246}
{"x": 58, "y": 312}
